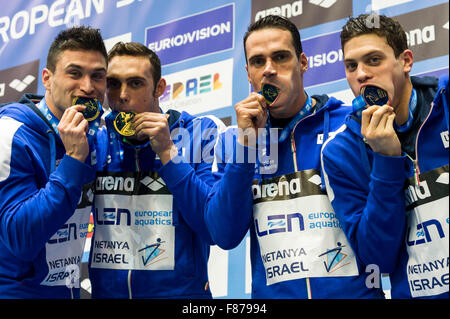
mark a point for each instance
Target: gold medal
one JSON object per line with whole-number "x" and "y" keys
{"x": 123, "y": 123}
{"x": 373, "y": 95}
{"x": 269, "y": 92}
{"x": 92, "y": 107}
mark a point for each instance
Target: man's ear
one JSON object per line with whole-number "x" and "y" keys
{"x": 249, "y": 79}
{"x": 160, "y": 88}
{"x": 303, "y": 60}
{"x": 408, "y": 60}
{"x": 47, "y": 78}
{"x": 248, "y": 75}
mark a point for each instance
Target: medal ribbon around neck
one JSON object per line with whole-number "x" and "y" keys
{"x": 412, "y": 107}
{"x": 94, "y": 123}
{"x": 306, "y": 110}
{"x": 42, "y": 106}
{"x": 270, "y": 94}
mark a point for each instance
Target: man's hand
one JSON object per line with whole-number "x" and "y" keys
{"x": 72, "y": 129}
{"x": 377, "y": 127}
{"x": 155, "y": 127}
{"x": 251, "y": 115}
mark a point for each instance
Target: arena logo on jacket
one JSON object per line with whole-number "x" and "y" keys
{"x": 427, "y": 233}
{"x": 133, "y": 222}
{"x": 297, "y": 230}
{"x": 65, "y": 248}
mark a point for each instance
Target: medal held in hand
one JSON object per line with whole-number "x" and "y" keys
{"x": 123, "y": 123}
{"x": 373, "y": 95}
{"x": 370, "y": 95}
{"x": 269, "y": 92}
{"x": 92, "y": 110}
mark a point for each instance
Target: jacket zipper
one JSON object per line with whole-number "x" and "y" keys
{"x": 294, "y": 158}
{"x": 416, "y": 161}
{"x": 416, "y": 170}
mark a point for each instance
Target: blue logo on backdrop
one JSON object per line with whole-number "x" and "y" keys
{"x": 193, "y": 36}
{"x": 324, "y": 59}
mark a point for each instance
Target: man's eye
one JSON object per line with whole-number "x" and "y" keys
{"x": 280, "y": 57}
{"x": 112, "y": 84}
{"x": 99, "y": 76}
{"x": 136, "y": 84}
{"x": 74, "y": 73}
{"x": 351, "y": 66}
{"x": 257, "y": 62}
{"x": 374, "y": 60}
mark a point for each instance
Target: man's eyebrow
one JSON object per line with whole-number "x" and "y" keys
{"x": 136, "y": 77}
{"x": 281, "y": 51}
{"x": 271, "y": 54}
{"x": 131, "y": 78}
{"x": 256, "y": 56}
{"x": 365, "y": 55}
{"x": 77, "y": 66}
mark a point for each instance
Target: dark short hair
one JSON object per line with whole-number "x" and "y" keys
{"x": 76, "y": 38}
{"x": 380, "y": 25}
{"x": 140, "y": 50}
{"x": 274, "y": 21}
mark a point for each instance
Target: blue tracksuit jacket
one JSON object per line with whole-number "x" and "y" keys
{"x": 150, "y": 239}
{"x": 41, "y": 238}
{"x": 298, "y": 249}
{"x": 392, "y": 219}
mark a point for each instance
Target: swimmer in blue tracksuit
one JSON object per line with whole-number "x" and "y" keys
{"x": 297, "y": 246}
{"x": 46, "y": 172}
{"x": 150, "y": 239}
{"x": 386, "y": 169}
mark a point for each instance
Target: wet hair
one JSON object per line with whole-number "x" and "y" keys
{"x": 380, "y": 25}
{"x": 76, "y": 38}
{"x": 138, "y": 50}
{"x": 279, "y": 22}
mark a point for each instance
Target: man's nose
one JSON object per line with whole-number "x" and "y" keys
{"x": 86, "y": 85}
{"x": 124, "y": 96}
{"x": 362, "y": 73}
{"x": 269, "y": 69}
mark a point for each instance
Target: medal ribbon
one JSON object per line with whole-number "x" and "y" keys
{"x": 306, "y": 109}
{"x": 358, "y": 105}
{"x": 51, "y": 118}
{"x": 42, "y": 106}
{"x": 412, "y": 108}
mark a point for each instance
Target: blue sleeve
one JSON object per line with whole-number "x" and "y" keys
{"x": 32, "y": 209}
{"x": 370, "y": 206}
{"x": 190, "y": 192}
{"x": 190, "y": 177}
{"x": 228, "y": 211}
